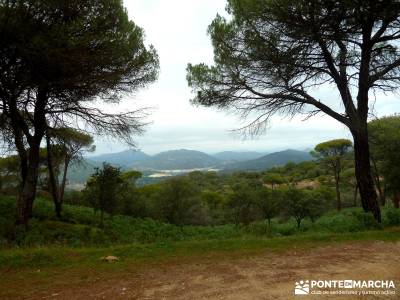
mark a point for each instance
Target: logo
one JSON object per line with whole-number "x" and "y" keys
{"x": 345, "y": 287}
{"x": 302, "y": 288}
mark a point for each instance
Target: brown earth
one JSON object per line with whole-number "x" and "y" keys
{"x": 261, "y": 276}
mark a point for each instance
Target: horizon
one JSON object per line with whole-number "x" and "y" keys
{"x": 263, "y": 152}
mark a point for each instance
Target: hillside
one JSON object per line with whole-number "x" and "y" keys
{"x": 271, "y": 160}
{"x": 79, "y": 172}
{"x": 177, "y": 160}
{"x": 232, "y": 156}
{"x": 185, "y": 160}
{"x": 122, "y": 159}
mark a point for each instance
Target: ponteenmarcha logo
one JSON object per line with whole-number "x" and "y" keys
{"x": 359, "y": 287}
{"x": 302, "y": 288}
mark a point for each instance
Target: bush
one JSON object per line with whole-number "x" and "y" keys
{"x": 367, "y": 220}
{"x": 349, "y": 220}
{"x": 81, "y": 227}
{"x": 392, "y": 217}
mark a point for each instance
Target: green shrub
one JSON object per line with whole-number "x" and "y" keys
{"x": 392, "y": 217}
{"x": 367, "y": 220}
{"x": 81, "y": 227}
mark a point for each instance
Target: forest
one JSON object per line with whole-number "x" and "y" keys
{"x": 66, "y": 68}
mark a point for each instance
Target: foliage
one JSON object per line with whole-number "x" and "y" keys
{"x": 333, "y": 154}
{"x": 57, "y": 67}
{"x": 242, "y": 203}
{"x": 301, "y": 204}
{"x": 102, "y": 189}
{"x": 9, "y": 172}
{"x": 270, "y": 203}
{"x": 274, "y": 179}
{"x": 180, "y": 204}
{"x": 385, "y": 142}
{"x": 81, "y": 228}
{"x": 270, "y": 55}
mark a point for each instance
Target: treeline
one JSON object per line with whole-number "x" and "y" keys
{"x": 299, "y": 191}
{"x": 204, "y": 198}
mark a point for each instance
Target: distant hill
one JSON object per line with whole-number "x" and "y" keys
{"x": 232, "y": 156}
{"x": 177, "y": 160}
{"x": 184, "y": 160}
{"x": 122, "y": 159}
{"x": 271, "y": 160}
{"x": 81, "y": 171}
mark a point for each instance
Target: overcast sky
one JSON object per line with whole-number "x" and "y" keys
{"x": 178, "y": 30}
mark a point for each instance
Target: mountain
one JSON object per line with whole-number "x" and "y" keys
{"x": 177, "y": 160}
{"x": 271, "y": 160}
{"x": 79, "y": 172}
{"x": 122, "y": 159}
{"x": 233, "y": 156}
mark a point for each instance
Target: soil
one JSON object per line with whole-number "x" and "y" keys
{"x": 261, "y": 276}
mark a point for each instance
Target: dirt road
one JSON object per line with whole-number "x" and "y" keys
{"x": 264, "y": 276}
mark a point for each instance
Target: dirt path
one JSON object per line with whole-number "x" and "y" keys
{"x": 263, "y": 276}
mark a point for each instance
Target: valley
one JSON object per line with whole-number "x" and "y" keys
{"x": 178, "y": 162}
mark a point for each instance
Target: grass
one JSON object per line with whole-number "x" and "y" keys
{"x": 69, "y": 257}
{"x": 52, "y": 253}
{"x": 81, "y": 227}
{"x": 42, "y": 269}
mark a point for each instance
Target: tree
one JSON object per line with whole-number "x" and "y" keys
{"x": 103, "y": 188}
{"x": 350, "y": 179}
{"x": 319, "y": 201}
{"x": 179, "y": 199}
{"x": 214, "y": 200}
{"x": 269, "y": 202}
{"x": 131, "y": 203}
{"x": 333, "y": 153}
{"x": 297, "y": 205}
{"x": 301, "y": 204}
{"x": 58, "y": 58}
{"x": 68, "y": 145}
{"x": 242, "y": 202}
{"x": 273, "y": 179}
{"x": 385, "y": 145}
{"x": 9, "y": 169}
{"x": 271, "y": 56}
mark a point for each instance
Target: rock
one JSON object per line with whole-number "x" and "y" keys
{"x": 110, "y": 258}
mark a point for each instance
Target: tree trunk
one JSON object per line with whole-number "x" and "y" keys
{"x": 338, "y": 199}
{"x": 382, "y": 196}
{"x": 269, "y": 226}
{"x": 27, "y": 195}
{"x": 355, "y": 196}
{"x": 64, "y": 178}
{"x": 28, "y": 190}
{"x": 53, "y": 179}
{"x": 298, "y": 221}
{"x": 396, "y": 199}
{"x": 363, "y": 174}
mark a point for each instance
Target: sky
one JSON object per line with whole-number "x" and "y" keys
{"x": 178, "y": 31}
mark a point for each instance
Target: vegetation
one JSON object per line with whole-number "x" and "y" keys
{"x": 63, "y": 62}
{"x": 384, "y": 140}
{"x": 82, "y": 227}
{"x": 55, "y": 65}
{"x": 68, "y": 147}
{"x": 333, "y": 154}
{"x": 270, "y": 55}
{"x": 112, "y": 209}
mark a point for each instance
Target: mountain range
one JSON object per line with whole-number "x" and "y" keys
{"x": 181, "y": 161}
{"x": 270, "y": 160}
